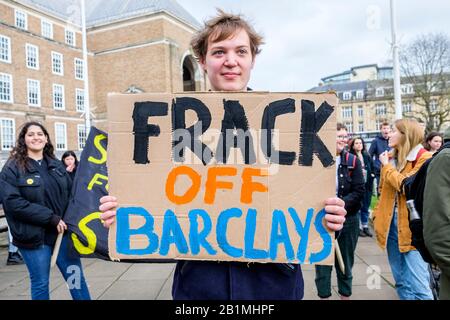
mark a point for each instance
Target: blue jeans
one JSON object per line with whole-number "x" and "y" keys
{"x": 68, "y": 262}
{"x": 412, "y": 279}
{"x": 364, "y": 212}
{"x": 11, "y": 248}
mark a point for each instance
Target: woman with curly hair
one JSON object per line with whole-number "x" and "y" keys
{"x": 390, "y": 219}
{"x": 36, "y": 190}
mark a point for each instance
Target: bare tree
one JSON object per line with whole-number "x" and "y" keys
{"x": 425, "y": 63}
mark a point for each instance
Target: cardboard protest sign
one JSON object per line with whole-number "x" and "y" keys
{"x": 222, "y": 176}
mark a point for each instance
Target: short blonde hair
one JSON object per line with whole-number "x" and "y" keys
{"x": 412, "y": 135}
{"x": 222, "y": 27}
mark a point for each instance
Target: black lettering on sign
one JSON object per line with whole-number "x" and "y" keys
{"x": 310, "y": 142}
{"x": 272, "y": 111}
{"x": 179, "y": 108}
{"x": 142, "y": 130}
{"x": 235, "y": 118}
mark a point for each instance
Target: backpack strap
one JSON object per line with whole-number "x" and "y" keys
{"x": 419, "y": 154}
{"x": 350, "y": 160}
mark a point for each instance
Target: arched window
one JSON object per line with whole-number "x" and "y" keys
{"x": 188, "y": 74}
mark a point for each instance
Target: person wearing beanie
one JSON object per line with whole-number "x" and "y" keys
{"x": 436, "y": 213}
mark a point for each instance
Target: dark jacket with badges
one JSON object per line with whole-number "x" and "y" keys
{"x": 25, "y": 198}
{"x": 350, "y": 182}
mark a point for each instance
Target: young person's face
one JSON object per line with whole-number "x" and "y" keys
{"x": 228, "y": 63}
{"x": 341, "y": 140}
{"x": 395, "y": 137}
{"x": 35, "y": 139}
{"x": 68, "y": 161}
{"x": 435, "y": 143}
{"x": 358, "y": 145}
{"x": 385, "y": 131}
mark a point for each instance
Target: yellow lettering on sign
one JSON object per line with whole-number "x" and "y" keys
{"x": 88, "y": 233}
{"x": 95, "y": 180}
{"x": 100, "y": 148}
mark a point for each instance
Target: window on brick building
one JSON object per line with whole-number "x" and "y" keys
{"x": 21, "y": 20}
{"x": 34, "y": 93}
{"x": 47, "y": 29}
{"x": 79, "y": 99}
{"x": 60, "y": 136}
{"x": 79, "y": 69}
{"x": 70, "y": 37}
{"x": 6, "y": 88}
{"x": 58, "y": 97}
{"x": 7, "y": 133}
{"x": 5, "y": 49}
{"x": 81, "y": 128}
{"x": 32, "y": 56}
{"x": 57, "y": 63}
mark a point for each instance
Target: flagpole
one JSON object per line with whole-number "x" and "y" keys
{"x": 395, "y": 47}
{"x": 87, "y": 109}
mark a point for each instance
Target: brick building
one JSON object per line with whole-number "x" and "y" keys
{"x": 133, "y": 46}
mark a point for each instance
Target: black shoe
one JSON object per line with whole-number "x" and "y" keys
{"x": 361, "y": 233}
{"x": 14, "y": 258}
{"x": 367, "y": 232}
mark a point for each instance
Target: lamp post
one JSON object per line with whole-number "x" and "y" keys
{"x": 395, "y": 47}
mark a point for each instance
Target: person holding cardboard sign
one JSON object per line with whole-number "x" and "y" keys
{"x": 226, "y": 48}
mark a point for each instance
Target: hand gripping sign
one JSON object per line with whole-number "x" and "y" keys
{"x": 222, "y": 176}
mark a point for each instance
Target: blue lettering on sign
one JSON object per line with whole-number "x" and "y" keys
{"x": 221, "y": 232}
{"x": 303, "y": 231}
{"x": 124, "y": 232}
{"x": 279, "y": 223}
{"x": 249, "y": 238}
{"x": 172, "y": 234}
{"x": 196, "y": 238}
{"x": 327, "y": 241}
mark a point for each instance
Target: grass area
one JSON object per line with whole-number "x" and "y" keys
{"x": 373, "y": 202}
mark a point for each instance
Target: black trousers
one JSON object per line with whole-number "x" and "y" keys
{"x": 347, "y": 239}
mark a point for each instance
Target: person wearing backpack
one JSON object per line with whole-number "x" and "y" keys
{"x": 436, "y": 214}
{"x": 390, "y": 218}
{"x": 350, "y": 188}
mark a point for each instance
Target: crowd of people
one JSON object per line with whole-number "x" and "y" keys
{"x": 36, "y": 188}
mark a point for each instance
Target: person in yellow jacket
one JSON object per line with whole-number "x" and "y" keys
{"x": 390, "y": 218}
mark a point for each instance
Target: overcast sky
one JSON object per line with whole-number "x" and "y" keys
{"x": 307, "y": 40}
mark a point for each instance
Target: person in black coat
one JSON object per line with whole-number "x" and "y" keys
{"x": 358, "y": 148}
{"x": 350, "y": 188}
{"x": 36, "y": 190}
{"x": 377, "y": 147}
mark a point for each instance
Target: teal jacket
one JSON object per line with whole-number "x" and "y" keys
{"x": 436, "y": 216}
